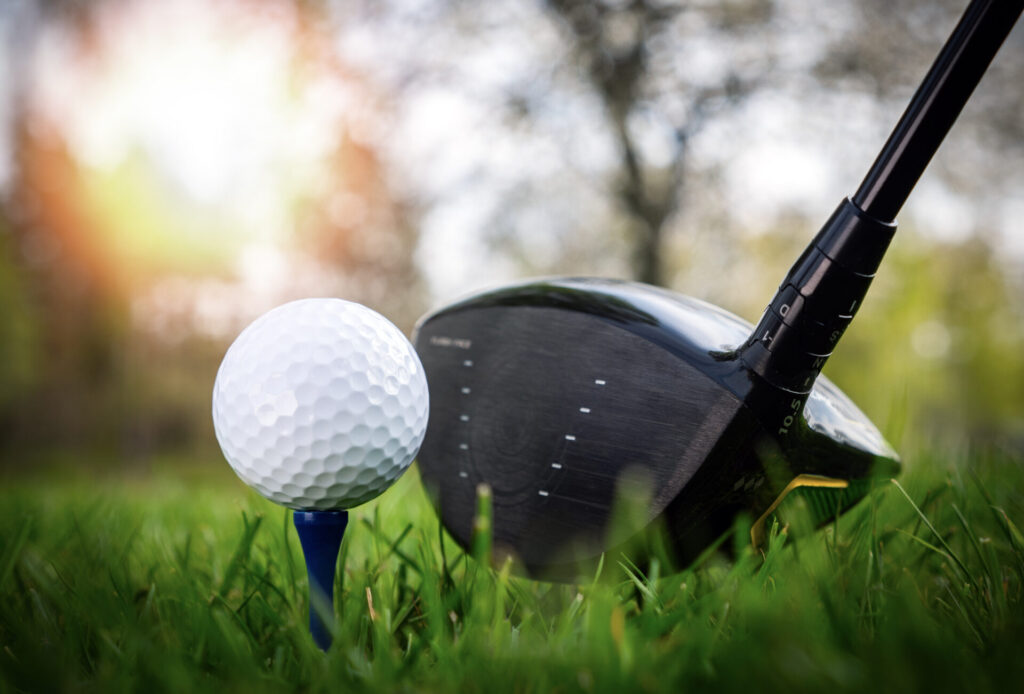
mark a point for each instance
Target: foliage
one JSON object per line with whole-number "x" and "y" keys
{"x": 162, "y": 585}
{"x": 18, "y": 336}
{"x": 594, "y": 136}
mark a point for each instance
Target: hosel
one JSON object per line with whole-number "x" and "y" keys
{"x": 817, "y": 300}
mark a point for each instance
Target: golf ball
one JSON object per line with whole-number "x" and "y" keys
{"x": 320, "y": 404}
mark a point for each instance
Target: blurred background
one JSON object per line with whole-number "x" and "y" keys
{"x": 170, "y": 170}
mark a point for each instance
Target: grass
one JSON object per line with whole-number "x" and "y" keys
{"x": 159, "y": 584}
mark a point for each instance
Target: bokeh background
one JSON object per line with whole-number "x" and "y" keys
{"x": 170, "y": 170}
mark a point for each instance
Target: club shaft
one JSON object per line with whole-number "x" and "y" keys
{"x": 826, "y": 286}
{"x": 936, "y": 106}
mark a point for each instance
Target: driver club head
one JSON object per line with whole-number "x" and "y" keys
{"x": 565, "y": 396}
{"x": 556, "y": 393}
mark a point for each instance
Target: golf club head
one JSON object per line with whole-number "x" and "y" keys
{"x": 558, "y": 393}
{"x": 566, "y": 396}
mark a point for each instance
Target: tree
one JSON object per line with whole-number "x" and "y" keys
{"x": 576, "y": 117}
{"x": 629, "y": 52}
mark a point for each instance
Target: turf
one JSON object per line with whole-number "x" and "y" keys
{"x": 158, "y": 584}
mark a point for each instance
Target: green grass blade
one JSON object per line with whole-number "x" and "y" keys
{"x": 13, "y": 551}
{"x": 948, "y": 551}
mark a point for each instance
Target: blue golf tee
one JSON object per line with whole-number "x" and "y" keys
{"x": 320, "y": 533}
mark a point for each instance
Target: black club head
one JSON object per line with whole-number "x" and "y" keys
{"x": 562, "y": 395}
{"x": 557, "y": 393}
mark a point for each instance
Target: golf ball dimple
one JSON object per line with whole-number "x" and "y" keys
{"x": 320, "y": 404}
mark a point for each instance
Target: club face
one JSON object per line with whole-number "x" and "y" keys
{"x": 595, "y": 409}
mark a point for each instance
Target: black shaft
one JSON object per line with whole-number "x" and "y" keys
{"x": 823, "y": 290}
{"x": 936, "y": 105}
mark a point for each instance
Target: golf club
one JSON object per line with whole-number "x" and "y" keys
{"x": 562, "y": 395}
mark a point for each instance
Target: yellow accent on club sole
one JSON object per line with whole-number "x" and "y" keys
{"x": 757, "y": 529}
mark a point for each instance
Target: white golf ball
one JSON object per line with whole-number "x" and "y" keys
{"x": 320, "y": 404}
